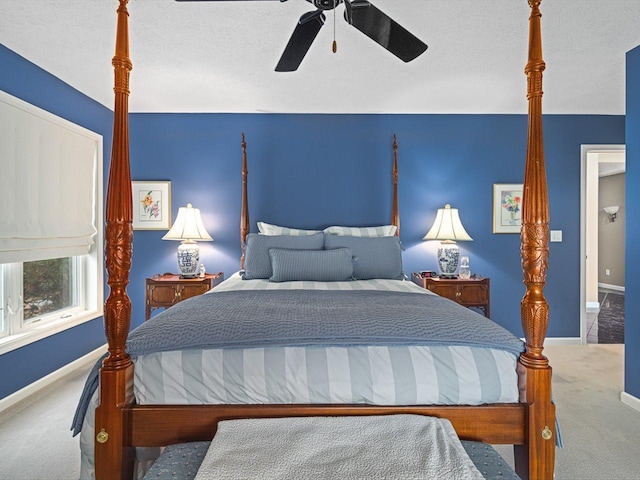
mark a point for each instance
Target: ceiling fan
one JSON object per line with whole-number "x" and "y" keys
{"x": 361, "y": 14}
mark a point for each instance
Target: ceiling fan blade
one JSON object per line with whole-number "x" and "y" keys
{"x": 303, "y": 36}
{"x": 383, "y": 30}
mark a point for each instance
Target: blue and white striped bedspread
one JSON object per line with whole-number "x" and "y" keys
{"x": 377, "y": 375}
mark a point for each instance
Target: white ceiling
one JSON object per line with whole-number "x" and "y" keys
{"x": 220, "y": 56}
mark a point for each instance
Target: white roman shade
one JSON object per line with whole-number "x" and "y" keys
{"x": 47, "y": 184}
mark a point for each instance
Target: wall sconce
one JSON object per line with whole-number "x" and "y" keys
{"x": 448, "y": 228}
{"x": 188, "y": 227}
{"x": 612, "y": 212}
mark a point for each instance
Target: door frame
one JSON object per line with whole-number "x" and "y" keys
{"x": 586, "y": 215}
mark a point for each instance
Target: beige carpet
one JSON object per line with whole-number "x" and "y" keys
{"x": 601, "y": 435}
{"x": 35, "y": 440}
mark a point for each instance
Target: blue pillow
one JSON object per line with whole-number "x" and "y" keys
{"x": 311, "y": 265}
{"x": 379, "y": 257}
{"x": 257, "y": 263}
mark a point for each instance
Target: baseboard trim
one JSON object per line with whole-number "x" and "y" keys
{"x": 617, "y": 288}
{"x": 562, "y": 341}
{"x": 630, "y": 401}
{"x": 32, "y": 388}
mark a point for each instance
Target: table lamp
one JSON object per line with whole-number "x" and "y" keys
{"x": 188, "y": 227}
{"x": 448, "y": 229}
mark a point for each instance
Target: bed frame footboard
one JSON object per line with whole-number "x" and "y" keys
{"x": 158, "y": 425}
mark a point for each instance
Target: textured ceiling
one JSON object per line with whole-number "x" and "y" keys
{"x": 220, "y": 56}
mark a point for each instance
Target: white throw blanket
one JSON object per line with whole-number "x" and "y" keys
{"x": 337, "y": 448}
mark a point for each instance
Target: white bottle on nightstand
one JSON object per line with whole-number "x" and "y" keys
{"x": 465, "y": 270}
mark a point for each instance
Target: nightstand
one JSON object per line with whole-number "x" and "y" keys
{"x": 166, "y": 290}
{"x": 470, "y": 292}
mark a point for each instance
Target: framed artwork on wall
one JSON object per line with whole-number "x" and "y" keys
{"x": 507, "y": 207}
{"x": 151, "y": 205}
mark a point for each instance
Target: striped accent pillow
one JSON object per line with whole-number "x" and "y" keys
{"x": 268, "y": 229}
{"x": 311, "y": 265}
{"x": 379, "y": 231}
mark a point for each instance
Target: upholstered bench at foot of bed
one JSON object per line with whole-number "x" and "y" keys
{"x": 181, "y": 461}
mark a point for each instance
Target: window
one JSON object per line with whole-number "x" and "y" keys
{"x": 49, "y": 288}
{"x": 40, "y": 292}
{"x": 51, "y": 276}
{"x": 44, "y": 297}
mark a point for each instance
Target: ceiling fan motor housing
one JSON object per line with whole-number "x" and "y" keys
{"x": 325, "y": 4}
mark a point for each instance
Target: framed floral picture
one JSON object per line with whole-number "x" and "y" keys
{"x": 151, "y": 205}
{"x": 507, "y": 207}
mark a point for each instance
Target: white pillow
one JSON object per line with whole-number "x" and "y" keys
{"x": 268, "y": 229}
{"x": 380, "y": 231}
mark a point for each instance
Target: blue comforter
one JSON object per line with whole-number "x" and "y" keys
{"x": 264, "y": 318}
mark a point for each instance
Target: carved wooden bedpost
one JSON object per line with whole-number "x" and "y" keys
{"x": 538, "y": 462}
{"x": 244, "y": 213}
{"x": 395, "y": 211}
{"x": 114, "y": 460}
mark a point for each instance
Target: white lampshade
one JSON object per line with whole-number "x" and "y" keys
{"x": 448, "y": 229}
{"x": 188, "y": 227}
{"x": 447, "y": 226}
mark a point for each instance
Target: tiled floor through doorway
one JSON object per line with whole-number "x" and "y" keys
{"x": 607, "y": 326}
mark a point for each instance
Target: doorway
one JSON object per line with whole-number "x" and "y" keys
{"x": 597, "y": 161}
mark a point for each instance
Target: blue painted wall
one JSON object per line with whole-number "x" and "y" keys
{"x": 632, "y": 258}
{"x": 315, "y": 170}
{"x": 30, "y": 83}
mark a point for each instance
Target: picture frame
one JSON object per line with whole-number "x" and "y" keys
{"x": 507, "y": 207}
{"x": 151, "y": 205}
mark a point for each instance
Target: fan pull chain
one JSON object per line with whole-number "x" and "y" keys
{"x": 334, "y": 47}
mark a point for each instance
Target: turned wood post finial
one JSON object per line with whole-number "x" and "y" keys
{"x": 395, "y": 210}
{"x": 245, "y": 226}
{"x": 118, "y": 227}
{"x": 535, "y": 207}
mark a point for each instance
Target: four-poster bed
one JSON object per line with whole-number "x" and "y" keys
{"x": 121, "y": 424}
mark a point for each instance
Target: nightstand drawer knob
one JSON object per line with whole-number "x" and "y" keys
{"x": 458, "y": 294}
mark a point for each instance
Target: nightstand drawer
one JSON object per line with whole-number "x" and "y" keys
{"x": 188, "y": 291}
{"x": 447, "y": 291}
{"x": 468, "y": 292}
{"x": 473, "y": 294}
{"x": 164, "y": 291}
{"x": 165, "y": 295}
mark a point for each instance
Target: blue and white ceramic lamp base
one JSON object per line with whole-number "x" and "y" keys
{"x": 448, "y": 259}
{"x": 188, "y": 258}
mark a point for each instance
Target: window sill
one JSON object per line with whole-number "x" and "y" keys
{"x": 19, "y": 340}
